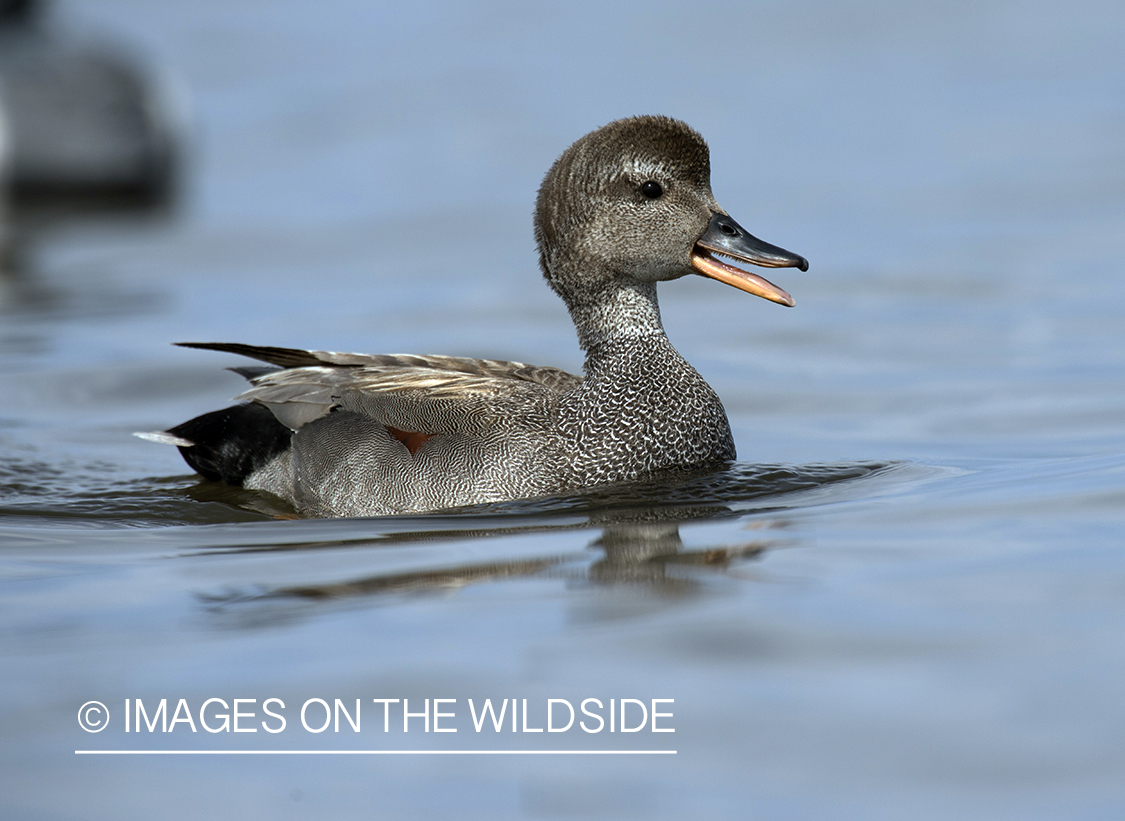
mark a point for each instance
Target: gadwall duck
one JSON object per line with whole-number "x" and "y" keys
{"x": 625, "y": 207}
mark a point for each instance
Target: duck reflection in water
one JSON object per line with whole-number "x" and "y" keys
{"x": 647, "y": 555}
{"x": 640, "y": 544}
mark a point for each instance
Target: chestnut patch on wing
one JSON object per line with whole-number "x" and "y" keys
{"x": 413, "y": 441}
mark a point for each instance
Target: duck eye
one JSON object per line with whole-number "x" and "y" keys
{"x": 652, "y": 189}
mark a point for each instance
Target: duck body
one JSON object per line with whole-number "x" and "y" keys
{"x": 623, "y": 208}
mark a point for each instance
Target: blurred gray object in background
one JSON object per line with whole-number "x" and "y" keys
{"x": 79, "y": 120}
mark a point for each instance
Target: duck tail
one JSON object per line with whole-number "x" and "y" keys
{"x": 230, "y": 444}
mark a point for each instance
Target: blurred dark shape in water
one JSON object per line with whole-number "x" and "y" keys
{"x": 85, "y": 129}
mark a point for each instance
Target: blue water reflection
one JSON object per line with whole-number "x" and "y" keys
{"x": 938, "y": 636}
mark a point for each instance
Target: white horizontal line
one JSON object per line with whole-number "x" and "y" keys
{"x": 375, "y": 752}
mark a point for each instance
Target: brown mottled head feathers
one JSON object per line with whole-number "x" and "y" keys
{"x": 594, "y": 225}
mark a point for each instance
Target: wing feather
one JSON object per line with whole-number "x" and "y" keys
{"x": 432, "y": 394}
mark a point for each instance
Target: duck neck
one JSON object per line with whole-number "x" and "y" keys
{"x": 621, "y": 317}
{"x": 641, "y": 407}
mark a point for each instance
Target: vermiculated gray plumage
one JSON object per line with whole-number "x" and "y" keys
{"x": 373, "y": 435}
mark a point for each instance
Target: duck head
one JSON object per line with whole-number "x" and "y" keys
{"x": 631, "y": 203}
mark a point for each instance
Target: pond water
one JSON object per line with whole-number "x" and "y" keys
{"x": 905, "y": 600}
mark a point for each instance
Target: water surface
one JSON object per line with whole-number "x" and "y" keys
{"x": 907, "y": 597}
